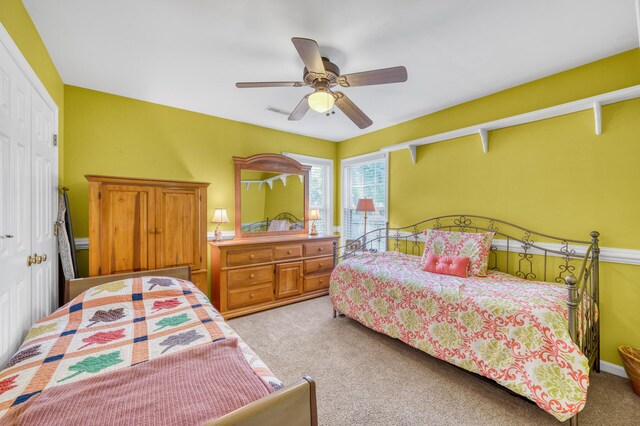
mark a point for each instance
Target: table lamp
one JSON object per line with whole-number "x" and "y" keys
{"x": 219, "y": 216}
{"x": 314, "y": 214}
{"x": 365, "y": 205}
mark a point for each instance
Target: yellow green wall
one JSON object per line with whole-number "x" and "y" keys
{"x": 252, "y": 201}
{"x": 17, "y": 22}
{"x": 113, "y": 135}
{"x": 555, "y": 175}
{"x": 281, "y": 198}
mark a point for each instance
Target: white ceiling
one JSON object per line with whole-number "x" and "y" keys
{"x": 189, "y": 53}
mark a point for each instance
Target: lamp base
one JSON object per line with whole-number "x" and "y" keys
{"x": 217, "y": 234}
{"x": 314, "y": 231}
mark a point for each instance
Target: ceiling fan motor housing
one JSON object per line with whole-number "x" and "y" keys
{"x": 331, "y": 73}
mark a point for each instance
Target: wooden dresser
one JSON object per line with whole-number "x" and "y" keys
{"x": 139, "y": 224}
{"x": 254, "y": 274}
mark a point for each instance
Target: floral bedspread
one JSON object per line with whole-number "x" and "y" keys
{"x": 502, "y": 327}
{"x": 114, "y": 326}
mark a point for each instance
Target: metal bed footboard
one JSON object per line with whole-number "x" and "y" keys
{"x": 518, "y": 251}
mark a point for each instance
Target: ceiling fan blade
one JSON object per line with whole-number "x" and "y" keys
{"x": 350, "y": 109}
{"x": 248, "y": 85}
{"x": 368, "y": 78}
{"x": 300, "y": 110}
{"x": 310, "y": 54}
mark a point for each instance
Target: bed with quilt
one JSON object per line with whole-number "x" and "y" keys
{"x": 141, "y": 350}
{"x": 512, "y": 330}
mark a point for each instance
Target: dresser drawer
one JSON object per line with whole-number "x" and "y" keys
{"x": 288, "y": 251}
{"x": 319, "y": 265}
{"x": 319, "y": 248}
{"x": 248, "y": 296}
{"x": 247, "y": 257}
{"x": 316, "y": 283}
{"x": 249, "y": 276}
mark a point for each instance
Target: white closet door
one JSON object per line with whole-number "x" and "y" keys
{"x": 43, "y": 208}
{"x": 15, "y": 208}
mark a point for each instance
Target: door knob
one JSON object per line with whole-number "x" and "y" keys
{"x": 5, "y": 237}
{"x": 38, "y": 259}
{"x": 31, "y": 260}
{"x": 44, "y": 257}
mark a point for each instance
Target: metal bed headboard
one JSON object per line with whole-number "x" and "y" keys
{"x": 264, "y": 224}
{"x": 527, "y": 254}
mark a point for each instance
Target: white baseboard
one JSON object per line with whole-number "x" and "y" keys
{"x": 612, "y": 368}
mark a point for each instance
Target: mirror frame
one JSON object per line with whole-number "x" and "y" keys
{"x": 274, "y": 163}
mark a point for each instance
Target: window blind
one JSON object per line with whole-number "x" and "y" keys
{"x": 318, "y": 194}
{"x": 365, "y": 178}
{"x": 320, "y": 189}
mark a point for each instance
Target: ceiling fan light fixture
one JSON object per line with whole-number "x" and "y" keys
{"x": 321, "y": 100}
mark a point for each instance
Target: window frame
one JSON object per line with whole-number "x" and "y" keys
{"x": 309, "y": 160}
{"x": 364, "y": 158}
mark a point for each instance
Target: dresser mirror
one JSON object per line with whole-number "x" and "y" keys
{"x": 272, "y": 196}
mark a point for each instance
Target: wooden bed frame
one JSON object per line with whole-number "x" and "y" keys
{"x": 517, "y": 251}
{"x": 293, "y": 405}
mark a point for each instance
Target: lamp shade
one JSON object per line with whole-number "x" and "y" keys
{"x": 321, "y": 101}
{"x": 365, "y": 205}
{"x": 220, "y": 216}
{"x": 314, "y": 214}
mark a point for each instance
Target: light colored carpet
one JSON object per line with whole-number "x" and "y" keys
{"x": 366, "y": 378}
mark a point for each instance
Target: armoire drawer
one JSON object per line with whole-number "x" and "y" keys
{"x": 249, "y": 276}
{"x": 247, "y": 257}
{"x": 319, "y": 265}
{"x": 288, "y": 251}
{"x": 248, "y": 296}
{"x": 318, "y": 249}
{"x": 316, "y": 283}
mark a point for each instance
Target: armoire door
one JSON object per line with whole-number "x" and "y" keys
{"x": 178, "y": 227}
{"x": 15, "y": 206}
{"x": 127, "y": 227}
{"x": 44, "y": 206}
{"x": 288, "y": 279}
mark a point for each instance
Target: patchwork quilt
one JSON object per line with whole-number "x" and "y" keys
{"x": 114, "y": 326}
{"x": 502, "y": 327}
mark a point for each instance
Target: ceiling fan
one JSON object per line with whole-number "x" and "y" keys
{"x": 322, "y": 74}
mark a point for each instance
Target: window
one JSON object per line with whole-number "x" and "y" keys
{"x": 320, "y": 189}
{"x": 364, "y": 176}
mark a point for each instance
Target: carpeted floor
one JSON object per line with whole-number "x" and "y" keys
{"x": 366, "y": 378}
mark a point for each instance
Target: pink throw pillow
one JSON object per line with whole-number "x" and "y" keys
{"x": 475, "y": 246}
{"x": 446, "y": 265}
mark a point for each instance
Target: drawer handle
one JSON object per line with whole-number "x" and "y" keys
{"x": 288, "y": 251}
{"x": 320, "y": 265}
{"x": 252, "y": 256}
{"x": 252, "y": 295}
{"x": 321, "y": 249}
{"x": 252, "y": 276}
{"x": 319, "y": 281}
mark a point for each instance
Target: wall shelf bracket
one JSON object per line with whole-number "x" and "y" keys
{"x": 412, "y": 150}
{"x": 484, "y": 137}
{"x": 597, "y": 115}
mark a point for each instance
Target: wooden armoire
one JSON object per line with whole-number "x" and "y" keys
{"x": 139, "y": 224}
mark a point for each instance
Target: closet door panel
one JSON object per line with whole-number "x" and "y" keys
{"x": 178, "y": 229}
{"x": 127, "y": 228}
{"x": 15, "y": 227}
{"x": 43, "y": 208}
